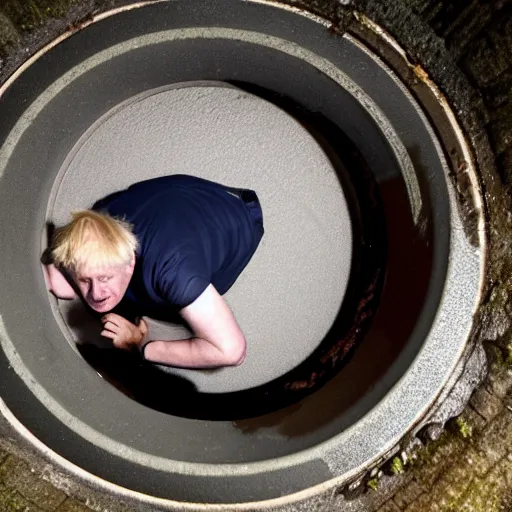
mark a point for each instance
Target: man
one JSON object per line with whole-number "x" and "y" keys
{"x": 175, "y": 243}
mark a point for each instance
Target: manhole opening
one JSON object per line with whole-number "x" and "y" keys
{"x": 318, "y": 424}
{"x": 322, "y": 256}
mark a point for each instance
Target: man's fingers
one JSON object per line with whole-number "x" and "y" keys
{"x": 108, "y": 334}
{"x": 119, "y": 330}
{"x": 115, "y": 339}
{"x": 110, "y": 326}
{"x": 115, "y": 319}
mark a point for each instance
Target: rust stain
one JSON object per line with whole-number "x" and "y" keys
{"x": 81, "y": 23}
{"x": 420, "y": 73}
{"x": 333, "y": 29}
{"x": 342, "y": 347}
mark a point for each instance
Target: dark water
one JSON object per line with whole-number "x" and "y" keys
{"x": 406, "y": 284}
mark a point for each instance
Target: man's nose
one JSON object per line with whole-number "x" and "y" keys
{"x": 97, "y": 291}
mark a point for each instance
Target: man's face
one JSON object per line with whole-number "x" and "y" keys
{"x": 104, "y": 288}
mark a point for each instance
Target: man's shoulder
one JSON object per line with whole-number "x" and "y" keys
{"x": 103, "y": 203}
{"x": 155, "y": 187}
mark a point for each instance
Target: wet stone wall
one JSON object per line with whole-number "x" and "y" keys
{"x": 478, "y": 35}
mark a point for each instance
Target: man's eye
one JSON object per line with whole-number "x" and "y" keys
{"x": 104, "y": 279}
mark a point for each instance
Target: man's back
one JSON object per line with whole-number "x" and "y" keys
{"x": 191, "y": 232}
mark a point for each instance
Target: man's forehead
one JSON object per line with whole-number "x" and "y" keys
{"x": 97, "y": 272}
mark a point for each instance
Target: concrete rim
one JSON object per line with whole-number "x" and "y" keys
{"x": 469, "y": 258}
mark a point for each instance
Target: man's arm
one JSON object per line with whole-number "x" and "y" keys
{"x": 57, "y": 283}
{"x": 218, "y": 339}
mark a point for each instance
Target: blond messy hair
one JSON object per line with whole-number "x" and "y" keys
{"x": 93, "y": 240}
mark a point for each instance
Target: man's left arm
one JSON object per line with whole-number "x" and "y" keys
{"x": 57, "y": 283}
{"x": 218, "y": 339}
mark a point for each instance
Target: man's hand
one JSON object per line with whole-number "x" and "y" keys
{"x": 57, "y": 283}
{"x": 123, "y": 333}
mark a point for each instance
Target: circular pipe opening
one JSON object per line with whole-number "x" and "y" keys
{"x": 357, "y": 160}
{"x": 223, "y": 134}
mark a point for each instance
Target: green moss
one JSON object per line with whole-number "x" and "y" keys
{"x": 427, "y": 452}
{"x": 430, "y": 454}
{"x": 373, "y": 483}
{"x": 481, "y": 496}
{"x": 495, "y": 355}
{"x": 397, "y": 466}
{"x": 12, "y": 500}
{"x": 30, "y": 14}
{"x": 464, "y": 428}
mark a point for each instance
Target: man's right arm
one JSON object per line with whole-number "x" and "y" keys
{"x": 57, "y": 283}
{"x": 218, "y": 340}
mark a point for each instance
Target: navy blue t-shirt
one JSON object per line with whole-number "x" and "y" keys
{"x": 191, "y": 232}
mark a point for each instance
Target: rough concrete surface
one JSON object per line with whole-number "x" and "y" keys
{"x": 463, "y": 46}
{"x": 232, "y": 137}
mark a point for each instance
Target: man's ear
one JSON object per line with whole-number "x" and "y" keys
{"x": 132, "y": 262}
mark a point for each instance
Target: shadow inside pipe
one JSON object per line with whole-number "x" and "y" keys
{"x": 385, "y": 295}
{"x": 407, "y": 280}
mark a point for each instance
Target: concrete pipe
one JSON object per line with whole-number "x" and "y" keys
{"x": 358, "y": 304}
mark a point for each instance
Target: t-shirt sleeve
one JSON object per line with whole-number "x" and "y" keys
{"x": 182, "y": 281}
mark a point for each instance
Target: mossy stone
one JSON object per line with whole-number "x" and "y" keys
{"x": 8, "y": 32}
{"x": 27, "y": 15}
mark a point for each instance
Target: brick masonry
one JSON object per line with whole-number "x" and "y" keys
{"x": 470, "y": 467}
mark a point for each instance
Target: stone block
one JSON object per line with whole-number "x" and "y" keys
{"x": 484, "y": 493}
{"x": 504, "y": 163}
{"x": 438, "y": 457}
{"x": 480, "y": 495}
{"x": 500, "y": 133}
{"x": 16, "y": 474}
{"x": 477, "y": 462}
{"x": 492, "y": 444}
{"x": 494, "y": 349}
{"x": 499, "y": 93}
{"x": 8, "y": 32}
{"x": 499, "y": 381}
{"x": 14, "y": 501}
{"x": 433, "y": 11}
{"x": 73, "y": 506}
{"x": 505, "y": 468}
{"x": 496, "y": 476}
{"x": 468, "y": 23}
{"x": 452, "y": 485}
{"x": 420, "y": 6}
{"x": 28, "y": 15}
{"x": 389, "y": 506}
{"x": 486, "y": 404}
{"x": 472, "y": 419}
{"x": 504, "y": 111}
{"x": 500, "y": 34}
{"x": 423, "y": 503}
{"x": 484, "y": 64}
{"x": 408, "y": 494}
